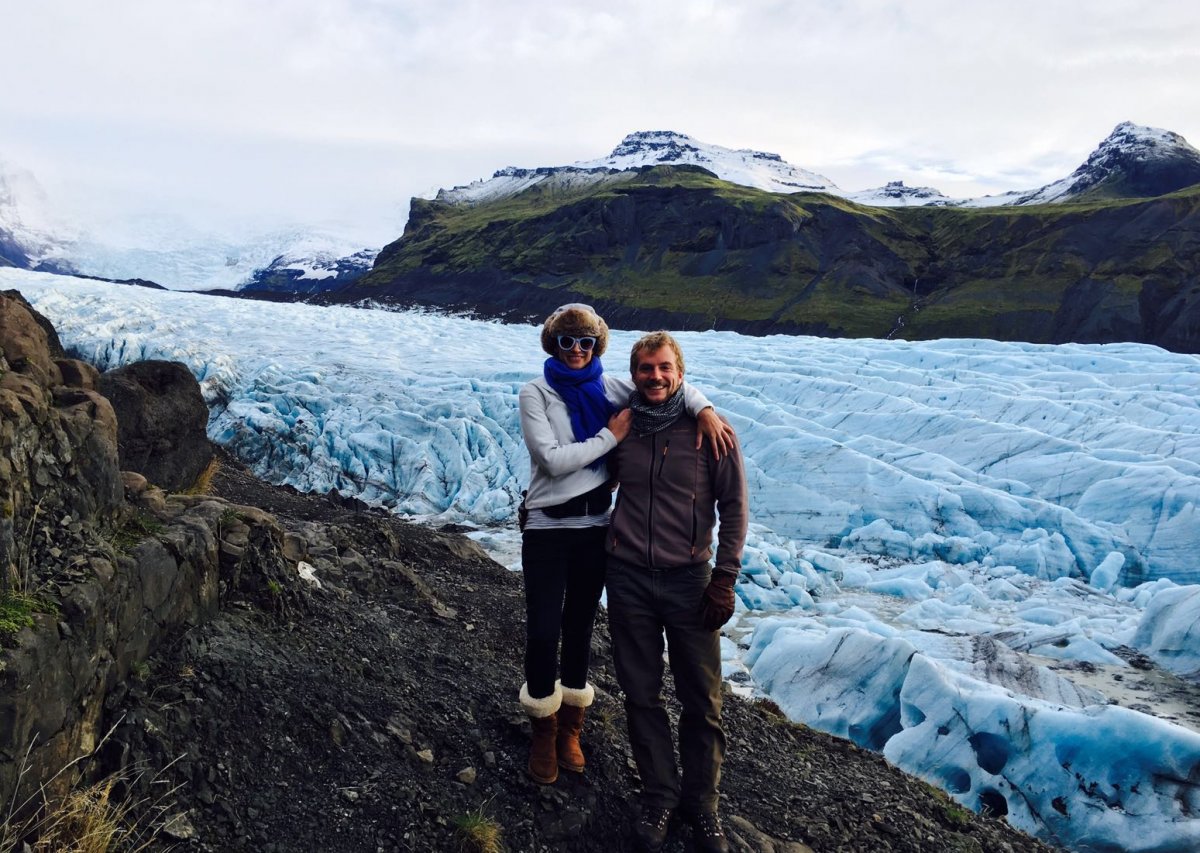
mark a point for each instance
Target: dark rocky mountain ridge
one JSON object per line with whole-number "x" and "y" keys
{"x": 1109, "y": 253}
{"x": 676, "y": 247}
{"x": 1106, "y": 254}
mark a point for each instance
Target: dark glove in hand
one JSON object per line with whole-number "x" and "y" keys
{"x": 718, "y": 600}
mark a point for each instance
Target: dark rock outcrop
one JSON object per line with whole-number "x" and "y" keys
{"x": 106, "y": 565}
{"x": 161, "y": 419}
{"x": 58, "y": 443}
{"x": 59, "y": 483}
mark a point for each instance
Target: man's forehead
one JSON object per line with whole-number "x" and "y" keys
{"x": 663, "y": 354}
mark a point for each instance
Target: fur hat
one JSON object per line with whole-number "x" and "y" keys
{"x": 577, "y": 319}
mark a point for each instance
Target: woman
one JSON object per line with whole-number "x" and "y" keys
{"x": 570, "y": 420}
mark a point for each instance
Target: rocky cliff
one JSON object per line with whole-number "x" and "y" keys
{"x": 85, "y": 598}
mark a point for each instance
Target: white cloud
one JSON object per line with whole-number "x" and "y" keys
{"x": 343, "y": 109}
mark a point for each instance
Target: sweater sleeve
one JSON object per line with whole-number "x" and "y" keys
{"x": 618, "y": 389}
{"x": 733, "y": 506}
{"x": 546, "y": 451}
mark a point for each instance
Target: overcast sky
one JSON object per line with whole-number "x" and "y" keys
{"x": 229, "y": 112}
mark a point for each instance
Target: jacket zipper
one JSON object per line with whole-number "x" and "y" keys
{"x": 612, "y": 519}
{"x": 650, "y": 505}
{"x": 663, "y": 459}
{"x": 694, "y": 524}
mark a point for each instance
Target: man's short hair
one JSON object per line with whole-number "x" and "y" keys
{"x": 651, "y": 342}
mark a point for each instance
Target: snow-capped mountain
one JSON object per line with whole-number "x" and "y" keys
{"x": 29, "y": 236}
{"x": 1133, "y": 161}
{"x": 168, "y": 250}
{"x": 740, "y": 166}
{"x": 757, "y": 169}
{"x": 310, "y": 271}
{"x": 896, "y": 194}
{"x": 173, "y": 254}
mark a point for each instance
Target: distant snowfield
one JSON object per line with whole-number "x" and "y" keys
{"x": 169, "y": 255}
{"x": 956, "y": 546}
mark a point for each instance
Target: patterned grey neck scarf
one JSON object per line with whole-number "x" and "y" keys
{"x": 648, "y": 419}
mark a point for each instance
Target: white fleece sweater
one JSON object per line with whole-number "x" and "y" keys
{"x": 558, "y": 469}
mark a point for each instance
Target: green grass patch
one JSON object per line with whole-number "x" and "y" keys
{"x": 951, "y": 812}
{"x": 16, "y": 612}
{"x": 133, "y": 529}
{"x": 1020, "y": 308}
{"x": 140, "y": 670}
{"x": 848, "y": 310}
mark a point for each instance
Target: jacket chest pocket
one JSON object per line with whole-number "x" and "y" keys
{"x": 678, "y": 466}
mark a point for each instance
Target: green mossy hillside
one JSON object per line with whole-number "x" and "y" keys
{"x": 678, "y": 247}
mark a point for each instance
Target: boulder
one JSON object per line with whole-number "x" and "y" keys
{"x": 52, "y": 339}
{"x": 58, "y": 445}
{"x": 161, "y": 420}
{"x": 78, "y": 374}
{"x": 24, "y": 342}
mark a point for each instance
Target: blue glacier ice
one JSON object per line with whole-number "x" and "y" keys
{"x": 956, "y": 546}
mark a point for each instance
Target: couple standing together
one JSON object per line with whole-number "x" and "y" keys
{"x": 676, "y": 463}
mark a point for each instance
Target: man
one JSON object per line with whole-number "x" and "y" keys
{"x": 659, "y": 579}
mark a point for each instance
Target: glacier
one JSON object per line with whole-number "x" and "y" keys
{"x": 957, "y": 547}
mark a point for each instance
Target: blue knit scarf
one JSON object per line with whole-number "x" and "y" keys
{"x": 583, "y": 392}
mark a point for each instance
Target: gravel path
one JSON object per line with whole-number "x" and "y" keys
{"x": 375, "y": 713}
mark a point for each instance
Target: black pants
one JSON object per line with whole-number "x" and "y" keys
{"x": 642, "y": 606}
{"x": 564, "y": 575}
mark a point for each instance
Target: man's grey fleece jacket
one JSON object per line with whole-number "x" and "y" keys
{"x": 664, "y": 515}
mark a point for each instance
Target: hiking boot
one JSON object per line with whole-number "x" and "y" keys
{"x": 575, "y": 701}
{"x": 650, "y": 831}
{"x": 708, "y": 836}
{"x": 543, "y": 760}
{"x": 543, "y": 719}
{"x": 570, "y": 725}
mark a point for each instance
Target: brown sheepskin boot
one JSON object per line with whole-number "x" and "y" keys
{"x": 570, "y": 724}
{"x": 543, "y": 717}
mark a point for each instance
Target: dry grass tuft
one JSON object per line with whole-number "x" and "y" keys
{"x": 87, "y": 820}
{"x": 203, "y": 484}
{"x": 477, "y": 833}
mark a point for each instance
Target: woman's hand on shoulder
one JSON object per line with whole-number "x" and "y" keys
{"x": 619, "y": 424}
{"x": 716, "y": 429}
